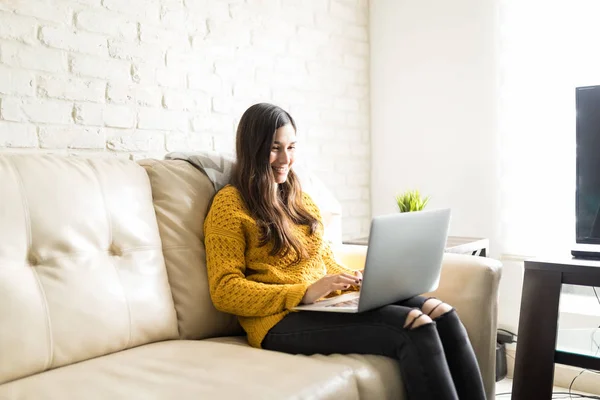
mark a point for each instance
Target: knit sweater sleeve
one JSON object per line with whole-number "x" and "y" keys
{"x": 333, "y": 267}
{"x": 225, "y": 246}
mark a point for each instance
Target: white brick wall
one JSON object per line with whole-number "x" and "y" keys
{"x": 139, "y": 78}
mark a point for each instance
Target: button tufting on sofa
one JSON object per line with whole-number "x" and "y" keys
{"x": 33, "y": 259}
{"x": 115, "y": 250}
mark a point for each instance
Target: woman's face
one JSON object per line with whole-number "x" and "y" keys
{"x": 283, "y": 149}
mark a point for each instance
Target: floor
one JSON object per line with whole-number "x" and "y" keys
{"x": 503, "y": 389}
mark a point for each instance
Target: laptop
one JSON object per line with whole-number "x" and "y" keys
{"x": 404, "y": 259}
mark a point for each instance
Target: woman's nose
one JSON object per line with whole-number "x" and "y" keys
{"x": 284, "y": 157}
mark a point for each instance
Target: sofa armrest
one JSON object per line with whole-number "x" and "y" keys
{"x": 349, "y": 255}
{"x": 469, "y": 284}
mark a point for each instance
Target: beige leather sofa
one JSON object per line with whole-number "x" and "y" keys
{"x": 103, "y": 295}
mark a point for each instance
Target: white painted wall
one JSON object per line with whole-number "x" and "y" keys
{"x": 434, "y": 103}
{"x": 433, "y": 119}
{"x": 139, "y": 78}
{"x": 433, "y": 108}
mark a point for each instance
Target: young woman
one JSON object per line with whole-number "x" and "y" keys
{"x": 266, "y": 254}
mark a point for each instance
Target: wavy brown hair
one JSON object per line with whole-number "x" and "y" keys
{"x": 274, "y": 206}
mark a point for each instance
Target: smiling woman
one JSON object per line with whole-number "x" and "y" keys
{"x": 263, "y": 176}
{"x": 266, "y": 254}
{"x": 282, "y": 152}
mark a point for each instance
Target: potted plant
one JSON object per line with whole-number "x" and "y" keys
{"x": 411, "y": 200}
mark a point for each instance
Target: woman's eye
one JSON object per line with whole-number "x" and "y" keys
{"x": 275, "y": 149}
{"x": 292, "y": 147}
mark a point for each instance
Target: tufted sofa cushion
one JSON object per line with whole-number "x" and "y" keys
{"x": 82, "y": 272}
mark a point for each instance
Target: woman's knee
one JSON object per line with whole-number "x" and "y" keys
{"x": 435, "y": 308}
{"x": 416, "y": 318}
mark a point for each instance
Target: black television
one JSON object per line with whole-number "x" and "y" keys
{"x": 587, "y": 187}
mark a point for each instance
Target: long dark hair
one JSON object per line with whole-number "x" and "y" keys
{"x": 274, "y": 206}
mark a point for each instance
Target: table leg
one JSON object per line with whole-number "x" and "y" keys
{"x": 536, "y": 342}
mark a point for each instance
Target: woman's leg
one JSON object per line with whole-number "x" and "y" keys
{"x": 457, "y": 347}
{"x": 392, "y": 331}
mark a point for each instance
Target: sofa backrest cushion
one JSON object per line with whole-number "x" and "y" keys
{"x": 82, "y": 272}
{"x": 181, "y": 196}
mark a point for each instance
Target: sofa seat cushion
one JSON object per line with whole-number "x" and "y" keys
{"x": 377, "y": 377}
{"x": 190, "y": 370}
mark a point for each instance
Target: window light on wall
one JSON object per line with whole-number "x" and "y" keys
{"x": 546, "y": 50}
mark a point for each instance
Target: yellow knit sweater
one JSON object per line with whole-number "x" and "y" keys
{"x": 248, "y": 282}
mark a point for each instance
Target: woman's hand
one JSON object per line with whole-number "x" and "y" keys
{"x": 359, "y": 275}
{"x": 328, "y": 284}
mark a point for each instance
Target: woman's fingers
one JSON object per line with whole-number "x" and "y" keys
{"x": 331, "y": 283}
{"x": 341, "y": 286}
{"x": 346, "y": 278}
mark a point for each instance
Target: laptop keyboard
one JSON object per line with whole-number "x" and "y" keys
{"x": 349, "y": 303}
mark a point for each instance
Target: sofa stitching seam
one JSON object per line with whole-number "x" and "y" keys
{"x": 110, "y": 233}
{"x": 84, "y": 253}
{"x": 28, "y": 228}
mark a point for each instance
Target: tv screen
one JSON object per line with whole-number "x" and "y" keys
{"x": 588, "y": 165}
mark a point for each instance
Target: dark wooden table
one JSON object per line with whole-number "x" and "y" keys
{"x": 536, "y": 346}
{"x": 454, "y": 244}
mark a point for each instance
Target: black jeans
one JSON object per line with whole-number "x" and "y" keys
{"x": 436, "y": 360}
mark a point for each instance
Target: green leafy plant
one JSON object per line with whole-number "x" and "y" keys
{"x": 411, "y": 200}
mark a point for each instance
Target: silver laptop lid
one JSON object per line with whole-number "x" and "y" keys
{"x": 404, "y": 257}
